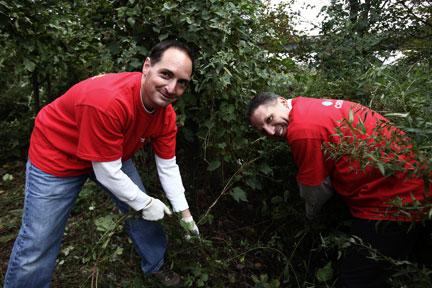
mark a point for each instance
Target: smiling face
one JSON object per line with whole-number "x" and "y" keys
{"x": 165, "y": 81}
{"x": 272, "y": 118}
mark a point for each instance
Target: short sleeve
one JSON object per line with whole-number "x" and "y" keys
{"x": 164, "y": 145}
{"x": 309, "y": 158}
{"x": 100, "y": 135}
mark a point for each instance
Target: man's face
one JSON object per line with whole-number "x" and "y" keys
{"x": 272, "y": 118}
{"x": 165, "y": 81}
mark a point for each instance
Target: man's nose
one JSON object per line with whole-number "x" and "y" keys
{"x": 171, "y": 86}
{"x": 269, "y": 130}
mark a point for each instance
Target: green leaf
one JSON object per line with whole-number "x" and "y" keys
{"x": 7, "y": 177}
{"x": 119, "y": 251}
{"x": 381, "y": 168}
{"x": 29, "y": 65}
{"x": 8, "y": 237}
{"x": 163, "y": 36}
{"x": 131, "y": 21}
{"x": 276, "y": 199}
{"x": 253, "y": 182}
{"x": 325, "y": 273}
{"x": 167, "y": 7}
{"x": 213, "y": 165}
{"x": 265, "y": 169}
{"x": 351, "y": 116}
{"x": 105, "y": 223}
{"x": 239, "y": 194}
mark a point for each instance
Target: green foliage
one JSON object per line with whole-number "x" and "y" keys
{"x": 238, "y": 194}
{"x": 357, "y": 35}
{"x": 46, "y": 47}
{"x": 404, "y": 88}
{"x": 263, "y": 282}
{"x": 325, "y": 273}
{"x": 404, "y": 272}
{"x": 240, "y": 187}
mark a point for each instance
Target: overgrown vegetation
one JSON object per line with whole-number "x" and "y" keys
{"x": 240, "y": 187}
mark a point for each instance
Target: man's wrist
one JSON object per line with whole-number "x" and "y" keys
{"x": 186, "y": 213}
{"x": 142, "y": 201}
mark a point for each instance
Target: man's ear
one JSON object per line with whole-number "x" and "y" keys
{"x": 146, "y": 65}
{"x": 283, "y": 101}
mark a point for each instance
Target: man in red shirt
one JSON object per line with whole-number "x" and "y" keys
{"x": 312, "y": 128}
{"x": 92, "y": 131}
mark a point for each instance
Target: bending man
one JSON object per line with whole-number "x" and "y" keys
{"x": 314, "y": 128}
{"x": 93, "y": 130}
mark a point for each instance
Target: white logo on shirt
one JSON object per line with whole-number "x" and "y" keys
{"x": 142, "y": 140}
{"x": 337, "y": 105}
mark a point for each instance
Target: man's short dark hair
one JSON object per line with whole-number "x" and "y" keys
{"x": 261, "y": 98}
{"x": 157, "y": 51}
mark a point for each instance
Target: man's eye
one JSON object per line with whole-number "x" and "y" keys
{"x": 269, "y": 119}
{"x": 165, "y": 75}
{"x": 183, "y": 83}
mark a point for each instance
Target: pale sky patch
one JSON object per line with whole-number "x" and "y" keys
{"x": 309, "y": 20}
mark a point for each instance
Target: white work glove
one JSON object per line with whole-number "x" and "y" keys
{"x": 190, "y": 226}
{"x": 155, "y": 210}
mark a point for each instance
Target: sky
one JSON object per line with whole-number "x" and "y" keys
{"x": 309, "y": 10}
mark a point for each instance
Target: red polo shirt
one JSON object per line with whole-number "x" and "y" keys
{"x": 99, "y": 119}
{"x": 314, "y": 122}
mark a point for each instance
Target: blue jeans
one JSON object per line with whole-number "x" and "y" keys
{"x": 47, "y": 205}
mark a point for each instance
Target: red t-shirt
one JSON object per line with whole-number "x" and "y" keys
{"x": 99, "y": 119}
{"x": 313, "y": 122}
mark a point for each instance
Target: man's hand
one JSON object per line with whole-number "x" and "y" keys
{"x": 190, "y": 226}
{"x": 155, "y": 210}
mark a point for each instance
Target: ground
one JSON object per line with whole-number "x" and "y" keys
{"x": 96, "y": 252}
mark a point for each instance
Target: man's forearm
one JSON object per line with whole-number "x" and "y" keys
{"x": 316, "y": 196}
{"x": 110, "y": 175}
{"x": 171, "y": 181}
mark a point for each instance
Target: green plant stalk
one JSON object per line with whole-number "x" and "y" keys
{"x": 226, "y": 187}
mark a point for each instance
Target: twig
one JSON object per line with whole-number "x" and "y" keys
{"x": 227, "y": 186}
